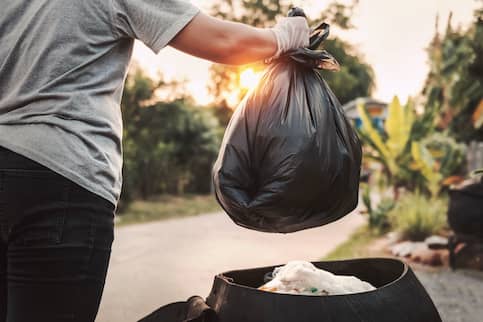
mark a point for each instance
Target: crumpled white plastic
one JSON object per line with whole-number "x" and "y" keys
{"x": 303, "y": 278}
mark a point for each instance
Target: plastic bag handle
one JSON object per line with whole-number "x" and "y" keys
{"x": 318, "y": 34}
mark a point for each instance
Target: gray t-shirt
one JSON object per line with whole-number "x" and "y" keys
{"x": 62, "y": 70}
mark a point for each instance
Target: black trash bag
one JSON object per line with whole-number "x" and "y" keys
{"x": 193, "y": 310}
{"x": 290, "y": 160}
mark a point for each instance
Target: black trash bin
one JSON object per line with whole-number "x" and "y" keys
{"x": 399, "y": 297}
{"x": 465, "y": 211}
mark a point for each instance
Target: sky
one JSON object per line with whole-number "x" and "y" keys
{"x": 392, "y": 35}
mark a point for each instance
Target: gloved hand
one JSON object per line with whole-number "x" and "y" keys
{"x": 291, "y": 33}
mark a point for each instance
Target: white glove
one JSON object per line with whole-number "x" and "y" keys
{"x": 291, "y": 33}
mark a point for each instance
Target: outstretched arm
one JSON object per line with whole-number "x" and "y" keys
{"x": 235, "y": 43}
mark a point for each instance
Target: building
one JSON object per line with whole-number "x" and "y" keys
{"x": 376, "y": 109}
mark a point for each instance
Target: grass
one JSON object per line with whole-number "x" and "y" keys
{"x": 414, "y": 217}
{"x": 417, "y": 216}
{"x": 358, "y": 245}
{"x": 166, "y": 207}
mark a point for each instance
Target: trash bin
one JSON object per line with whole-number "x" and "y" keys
{"x": 399, "y": 297}
{"x": 465, "y": 211}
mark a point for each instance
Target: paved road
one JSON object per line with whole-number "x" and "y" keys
{"x": 458, "y": 295}
{"x": 158, "y": 263}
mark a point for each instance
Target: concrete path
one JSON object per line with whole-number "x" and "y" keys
{"x": 158, "y": 263}
{"x": 458, "y": 295}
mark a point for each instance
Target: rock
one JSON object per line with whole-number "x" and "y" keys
{"x": 393, "y": 237}
{"x": 420, "y": 252}
{"x": 430, "y": 256}
{"x": 436, "y": 242}
{"x": 444, "y": 256}
{"x": 405, "y": 249}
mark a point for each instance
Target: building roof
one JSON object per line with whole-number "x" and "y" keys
{"x": 350, "y": 108}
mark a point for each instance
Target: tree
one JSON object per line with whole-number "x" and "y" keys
{"x": 355, "y": 79}
{"x": 454, "y": 84}
{"x": 169, "y": 147}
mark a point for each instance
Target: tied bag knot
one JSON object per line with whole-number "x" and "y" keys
{"x": 311, "y": 57}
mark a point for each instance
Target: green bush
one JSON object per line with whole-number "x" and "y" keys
{"x": 417, "y": 216}
{"x": 169, "y": 146}
{"x": 448, "y": 154}
{"x": 378, "y": 216}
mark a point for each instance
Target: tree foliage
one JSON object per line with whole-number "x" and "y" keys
{"x": 169, "y": 147}
{"x": 355, "y": 79}
{"x": 454, "y": 85}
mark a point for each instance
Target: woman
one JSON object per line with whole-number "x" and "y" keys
{"x": 62, "y": 69}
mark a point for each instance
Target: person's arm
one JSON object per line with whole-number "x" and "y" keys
{"x": 235, "y": 43}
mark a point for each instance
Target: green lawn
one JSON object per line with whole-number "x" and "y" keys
{"x": 358, "y": 245}
{"x": 167, "y": 206}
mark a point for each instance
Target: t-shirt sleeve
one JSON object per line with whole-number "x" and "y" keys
{"x": 154, "y": 22}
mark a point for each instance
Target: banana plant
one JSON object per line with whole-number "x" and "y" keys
{"x": 429, "y": 168}
{"x": 390, "y": 147}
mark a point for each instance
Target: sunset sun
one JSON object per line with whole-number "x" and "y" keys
{"x": 249, "y": 78}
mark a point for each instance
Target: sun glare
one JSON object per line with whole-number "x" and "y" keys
{"x": 249, "y": 79}
{"x": 233, "y": 98}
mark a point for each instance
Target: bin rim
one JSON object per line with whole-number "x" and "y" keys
{"x": 404, "y": 271}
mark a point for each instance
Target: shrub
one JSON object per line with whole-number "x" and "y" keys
{"x": 448, "y": 154}
{"x": 417, "y": 216}
{"x": 378, "y": 216}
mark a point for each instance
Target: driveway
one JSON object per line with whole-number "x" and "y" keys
{"x": 162, "y": 262}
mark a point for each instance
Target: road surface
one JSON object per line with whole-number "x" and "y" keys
{"x": 158, "y": 263}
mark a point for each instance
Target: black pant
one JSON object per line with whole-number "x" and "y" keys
{"x": 55, "y": 244}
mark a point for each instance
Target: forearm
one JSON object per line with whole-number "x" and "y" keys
{"x": 225, "y": 42}
{"x": 246, "y": 44}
